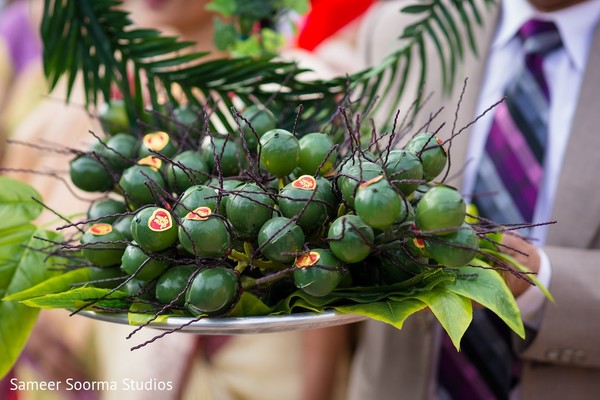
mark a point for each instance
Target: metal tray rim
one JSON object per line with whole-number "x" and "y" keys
{"x": 238, "y": 325}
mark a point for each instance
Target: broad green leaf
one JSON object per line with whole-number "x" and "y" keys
{"x": 302, "y": 300}
{"x": 454, "y": 312}
{"x": 17, "y": 206}
{"x": 301, "y": 305}
{"x": 21, "y": 266}
{"x": 250, "y": 305}
{"x": 56, "y": 284}
{"x": 389, "y": 311}
{"x": 11, "y": 252}
{"x": 512, "y": 261}
{"x": 486, "y": 287}
{"x": 84, "y": 297}
{"x": 423, "y": 282}
{"x": 142, "y": 313}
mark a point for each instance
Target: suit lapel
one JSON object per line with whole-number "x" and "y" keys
{"x": 579, "y": 178}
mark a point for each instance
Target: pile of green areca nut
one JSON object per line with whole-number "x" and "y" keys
{"x": 191, "y": 222}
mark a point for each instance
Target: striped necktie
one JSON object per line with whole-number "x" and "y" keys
{"x": 511, "y": 169}
{"x": 506, "y": 190}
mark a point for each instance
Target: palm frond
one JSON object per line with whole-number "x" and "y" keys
{"x": 97, "y": 41}
{"x": 446, "y": 25}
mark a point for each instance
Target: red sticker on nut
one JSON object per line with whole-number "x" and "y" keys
{"x": 160, "y": 220}
{"x": 100, "y": 229}
{"x": 156, "y": 141}
{"x": 199, "y": 214}
{"x": 307, "y": 259}
{"x": 305, "y": 182}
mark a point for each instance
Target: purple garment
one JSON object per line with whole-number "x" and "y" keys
{"x": 16, "y": 30}
{"x": 5, "y": 387}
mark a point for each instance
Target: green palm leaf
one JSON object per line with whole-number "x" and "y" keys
{"x": 447, "y": 26}
{"x": 97, "y": 41}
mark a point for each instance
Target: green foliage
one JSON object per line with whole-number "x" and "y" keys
{"x": 224, "y": 7}
{"x": 19, "y": 203}
{"x": 83, "y": 297}
{"x": 249, "y": 31}
{"x": 95, "y": 40}
{"x": 257, "y": 9}
{"x": 24, "y": 262}
{"x": 443, "y": 24}
{"x": 521, "y": 268}
{"x": 489, "y": 282}
{"x": 56, "y": 284}
{"x": 225, "y": 34}
{"x": 447, "y": 293}
{"x": 454, "y": 312}
{"x": 393, "y": 312}
{"x": 250, "y": 305}
{"x": 141, "y": 313}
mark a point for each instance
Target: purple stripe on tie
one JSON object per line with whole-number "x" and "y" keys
{"x": 534, "y": 64}
{"x": 460, "y": 377}
{"x": 518, "y": 145}
{"x": 532, "y": 30}
{"x": 513, "y": 177}
{"x": 534, "y": 27}
{"x": 514, "y": 162}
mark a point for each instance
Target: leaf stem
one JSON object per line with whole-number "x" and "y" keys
{"x": 267, "y": 279}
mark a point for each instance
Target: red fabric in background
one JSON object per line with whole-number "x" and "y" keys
{"x": 6, "y": 392}
{"x": 326, "y": 17}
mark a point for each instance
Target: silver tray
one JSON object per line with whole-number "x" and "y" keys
{"x": 218, "y": 326}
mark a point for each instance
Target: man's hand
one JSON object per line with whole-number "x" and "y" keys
{"x": 525, "y": 253}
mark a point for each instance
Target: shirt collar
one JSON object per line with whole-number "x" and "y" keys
{"x": 575, "y": 24}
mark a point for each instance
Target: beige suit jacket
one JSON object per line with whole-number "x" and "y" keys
{"x": 563, "y": 359}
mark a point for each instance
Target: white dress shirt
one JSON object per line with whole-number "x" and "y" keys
{"x": 564, "y": 71}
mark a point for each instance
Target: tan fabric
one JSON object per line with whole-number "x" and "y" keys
{"x": 563, "y": 360}
{"x": 52, "y": 124}
{"x": 162, "y": 361}
{"x": 249, "y": 367}
{"x": 25, "y": 94}
{"x": 390, "y": 365}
